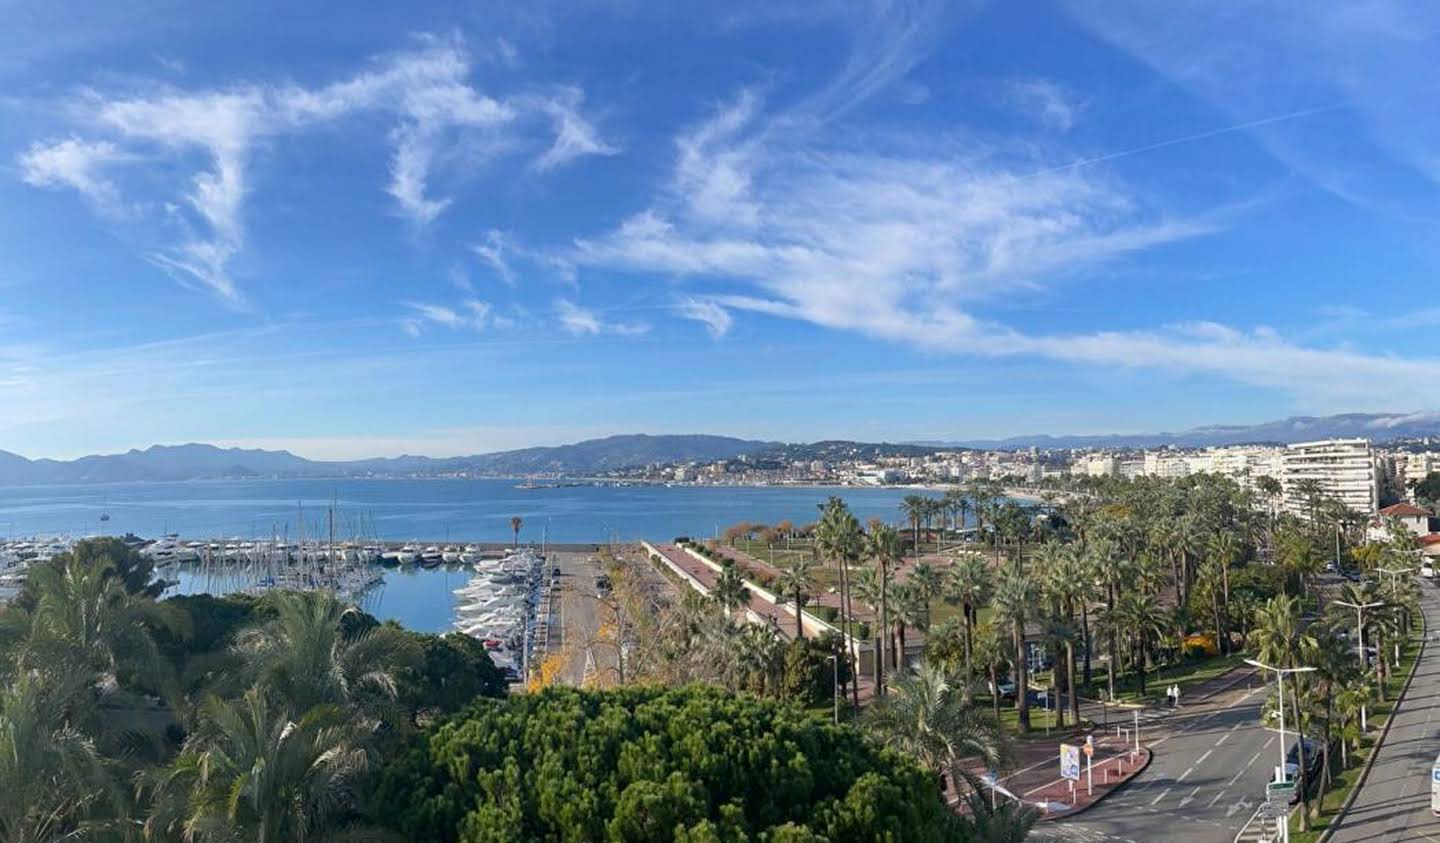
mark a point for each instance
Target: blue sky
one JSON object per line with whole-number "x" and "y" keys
{"x": 457, "y": 227}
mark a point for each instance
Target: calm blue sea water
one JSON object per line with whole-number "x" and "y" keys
{"x": 401, "y": 510}
{"x": 427, "y": 510}
{"x": 420, "y": 599}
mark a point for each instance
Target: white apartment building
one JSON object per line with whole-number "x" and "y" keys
{"x": 1162, "y": 464}
{"x": 1345, "y": 469}
{"x": 1412, "y": 468}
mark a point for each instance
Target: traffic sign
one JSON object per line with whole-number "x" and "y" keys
{"x": 1089, "y": 746}
{"x": 1274, "y": 810}
{"x": 1281, "y": 792}
{"x": 1070, "y": 761}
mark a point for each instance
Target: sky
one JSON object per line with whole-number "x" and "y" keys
{"x": 445, "y": 228}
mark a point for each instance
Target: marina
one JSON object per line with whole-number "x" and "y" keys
{"x": 489, "y": 593}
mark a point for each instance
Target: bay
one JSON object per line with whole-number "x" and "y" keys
{"x": 428, "y": 511}
{"x": 422, "y": 510}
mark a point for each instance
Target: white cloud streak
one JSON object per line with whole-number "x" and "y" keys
{"x": 1046, "y": 102}
{"x": 472, "y": 313}
{"x": 715, "y": 318}
{"x": 426, "y": 92}
{"x": 902, "y": 246}
{"x": 583, "y": 321}
{"x": 1376, "y": 59}
{"x": 79, "y": 165}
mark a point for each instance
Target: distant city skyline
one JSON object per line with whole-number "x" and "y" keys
{"x": 452, "y": 231}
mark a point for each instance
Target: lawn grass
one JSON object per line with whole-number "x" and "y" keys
{"x": 1187, "y": 675}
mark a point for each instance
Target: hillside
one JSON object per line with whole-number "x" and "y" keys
{"x": 1375, "y": 426}
{"x": 198, "y": 461}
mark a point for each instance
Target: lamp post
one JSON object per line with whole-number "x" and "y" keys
{"x": 1394, "y": 579}
{"x": 1360, "y": 643}
{"x": 1280, "y": 680}
{"x": 835, "y": 697}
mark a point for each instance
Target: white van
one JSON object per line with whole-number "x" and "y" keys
{"x": 1427, "y": 570}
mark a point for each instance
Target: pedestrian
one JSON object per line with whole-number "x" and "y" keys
{"x": 1169, "y": 696}
{"x": 1177, "y": 696}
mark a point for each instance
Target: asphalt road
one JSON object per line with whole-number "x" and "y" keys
{"x": 1211, "y": 762}
{"x": 1394, "y": 804}
{"x": 578, "y": 620}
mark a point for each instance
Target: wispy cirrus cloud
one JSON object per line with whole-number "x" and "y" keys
{"x": 1368, "y": 66}
{"x": 583, "y": 321}
{"x": 910, "y": 246}
{"x": 492, "y": 251}
{"x": 708, "y": 312}
{"x": 77, "y": 164}
{"x": 425, "y": 91}
{"x": 471, "y": 313}
{"x": 1046, "y": 102}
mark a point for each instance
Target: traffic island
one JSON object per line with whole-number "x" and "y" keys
{"x": 1062, "y": 797}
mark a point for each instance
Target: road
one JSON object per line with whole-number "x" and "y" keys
{"x": 578, "y": 619}
{"x": 1394, "y": 804}
{"x": 1212, "y": 760}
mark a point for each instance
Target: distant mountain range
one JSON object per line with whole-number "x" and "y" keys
{"x": 1374, "y": 426}
{"x": 197, "y": 461}
{"x": 596, "y": 456}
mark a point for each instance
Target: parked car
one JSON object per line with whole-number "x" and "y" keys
{"x": 1007, "y": 690}
{"x": 1427, "y": 570}
{"x": 1312, "y": 765}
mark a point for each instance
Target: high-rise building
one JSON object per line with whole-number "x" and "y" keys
{"x": 1343, "y": 469}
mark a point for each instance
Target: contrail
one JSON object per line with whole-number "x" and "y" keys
{"x": 1238, "y": 127}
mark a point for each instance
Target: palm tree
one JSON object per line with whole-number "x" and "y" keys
{"x": 992, "y": 653}
{"x": 313, "y": 652}
{"x": 1112, "y": 571}
{"x": 1139, "y": 615}
{"x": 968, "y": 584}
{"x": 883, "y": 545}
{"x": 1060, "y": 635}
{"x": 516, "y": 522}
{"x": 763, "y": 654}
{"x": 867, "y": 588}
{"x": 987, "y": 820}
{"x": 796, "y": 580}
{"x": 84, "y": 616}
{"x": 926, "y": 582}
{"x": 913, "y": 507}
{"x": 252, "y": 773}
{"x": 838, "y": 537}
{"x": 1224, "y": 550}
{"x": 53, "y": 782}
{"x": 729, "y": 591}
{"x": 1279, "y": 640}
{"x": 907, "y": 612}
{"x": 1014, "y": 600}
{"x": 922, "y": 717}
{"x": 1066, "y": 585}
{"x": 957, "y": 504}
{"x": 1334, "y": 664}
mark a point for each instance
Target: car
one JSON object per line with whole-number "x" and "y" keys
{"x": 1313, "y": 761}
{"x": 1427, "y": 570}
{"x": 1007, "y": 690}
{"x": 555, "y": 571}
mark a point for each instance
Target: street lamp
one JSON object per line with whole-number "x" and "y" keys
{"x": 1280, "y": 680}
{"x": 835, "y": 662}
{"x": 1360, "y": 644}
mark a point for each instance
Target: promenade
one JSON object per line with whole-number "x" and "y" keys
{"x": 1393, "y": 804}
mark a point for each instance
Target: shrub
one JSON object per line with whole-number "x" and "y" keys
{"x": 642, "y": 764}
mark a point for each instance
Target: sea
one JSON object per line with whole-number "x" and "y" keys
{"x": 444, "y": 510}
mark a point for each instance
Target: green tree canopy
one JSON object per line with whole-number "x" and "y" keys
{"x": 632, "y": 764}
